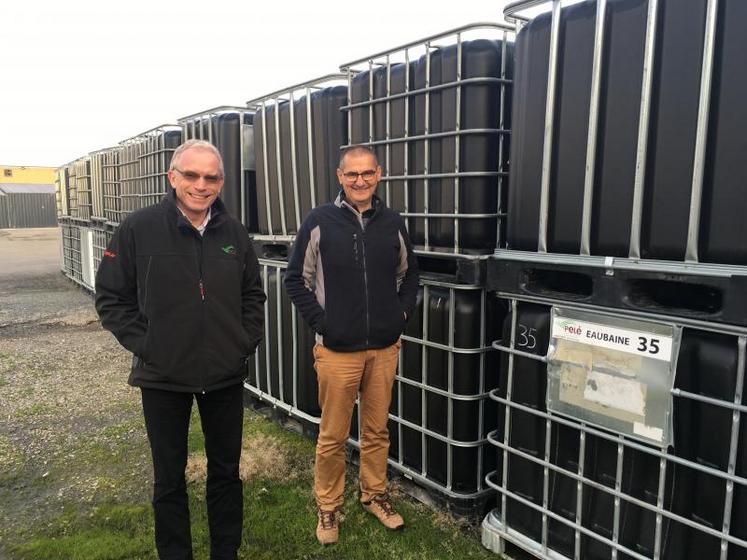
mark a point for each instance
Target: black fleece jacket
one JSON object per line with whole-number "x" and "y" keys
{"x": 353, "y": 278}
{"x": 189, "y": 307}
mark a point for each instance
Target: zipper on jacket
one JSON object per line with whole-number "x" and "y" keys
{"x": 359, "y": 218}
{"x": 365, "y": 282}
{"x": 147, "y": 275}
{"x": 200, "y": 259}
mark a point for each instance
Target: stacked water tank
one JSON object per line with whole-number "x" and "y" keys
{"x": 143, "y": 164}
{"x": 230, "y": 130}
{"x": 104, "y": 219}
{"x": 437, "y": 112}
{"x": 74, "y": 208}
{"x": 96, "y": 192}
{"x": 297, "y": 134}
{"x": 622, "y": 422}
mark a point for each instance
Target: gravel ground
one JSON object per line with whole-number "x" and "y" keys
{"x": 63, "y": 392}
{"x": 71, "y": 430}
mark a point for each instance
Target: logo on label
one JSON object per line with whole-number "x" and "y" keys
{"x": 110, "y": 254}
{"x": 229, "y": 250}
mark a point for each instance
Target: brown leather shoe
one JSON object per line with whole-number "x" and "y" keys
{"x": 381, "y": 507}
{"x": 328, "y": 526}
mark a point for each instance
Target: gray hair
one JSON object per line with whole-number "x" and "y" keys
{"x": 195, "y": 144}
{"x": 357, "y": 149}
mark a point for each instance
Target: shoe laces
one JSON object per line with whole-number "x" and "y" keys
{"x": 327, "y": 519}
{"x": 385, "y": 505}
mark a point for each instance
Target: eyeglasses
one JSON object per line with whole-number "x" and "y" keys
{"x": 352, "y": 176}
{"x": 192, "y": 177}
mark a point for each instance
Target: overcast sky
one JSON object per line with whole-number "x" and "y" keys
{"x": 78, "y": 75}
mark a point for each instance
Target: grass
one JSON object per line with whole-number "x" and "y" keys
{"x": 279, "y": 513}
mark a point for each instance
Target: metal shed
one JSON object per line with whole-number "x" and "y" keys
{"x": 26, "y": 206}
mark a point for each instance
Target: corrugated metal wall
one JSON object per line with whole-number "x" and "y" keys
{"x": 27, "y": 210}
{"x": 4, "y": 221}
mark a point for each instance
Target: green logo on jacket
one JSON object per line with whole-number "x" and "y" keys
{"x": 229, "y": 250}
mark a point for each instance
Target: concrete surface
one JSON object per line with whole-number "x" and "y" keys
{"x": 30, "y": 251}
{"x": 32, "y": 287}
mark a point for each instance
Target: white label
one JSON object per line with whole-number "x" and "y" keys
{"x": 615, "y": 392}
{"x": 650, "y": 432}
{"x": 640, "y": 343}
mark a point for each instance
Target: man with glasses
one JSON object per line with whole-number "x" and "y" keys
{"x": 354, "y": 279}
{"x": 179, "y": 287}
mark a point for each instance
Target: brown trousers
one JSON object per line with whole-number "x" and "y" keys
{"x": 342, "y": 376}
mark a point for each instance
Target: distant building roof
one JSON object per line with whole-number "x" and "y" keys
{"x": 9, "y": 188}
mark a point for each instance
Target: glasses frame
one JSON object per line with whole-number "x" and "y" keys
{"x": 352, "y": 176}
{"x": 192, "y": 177}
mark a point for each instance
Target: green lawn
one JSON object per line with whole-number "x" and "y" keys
{"x": 115, "y": 521}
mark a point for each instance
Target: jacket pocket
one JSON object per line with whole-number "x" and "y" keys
{"x": 145, "y": 345}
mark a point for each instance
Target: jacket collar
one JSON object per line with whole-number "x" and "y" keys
{"x": 218, "y": 211}
{"x": 342, "y": 202}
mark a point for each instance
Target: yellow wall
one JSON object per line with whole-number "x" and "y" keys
{"x": 27, "y": 175}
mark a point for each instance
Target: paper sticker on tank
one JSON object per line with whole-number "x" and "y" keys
{"x": 615, "y": 392}
{"x": 649, "y": 432}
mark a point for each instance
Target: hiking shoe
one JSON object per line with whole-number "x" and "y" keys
{"x": 384, "y": 511}
{"x": 328, "y": 526}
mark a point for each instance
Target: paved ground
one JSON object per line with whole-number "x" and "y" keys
{"x": 31, "y": 251}
{"x": 32, "y": 286}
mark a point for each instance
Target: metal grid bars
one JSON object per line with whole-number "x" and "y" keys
{"x": 143, "y": 165}
{"x": 440, "y": 413}
{"x": 569, "y": 489}
{"x": 101, "y": 236}
{"x": 593, "y": 175}
{"x": 230, "y": 130}
{"x": 297, "y": 134}
{"x": 61, "y": 192}
{"x": 71, "y": 252}
{"x": 282, "y": 372}
{"x": 82, "y": 173}
{"x": 100, "y": 176}
{"x": 72, "y": 190}
{"x": 437, "y": 112}
{"x": 112, "y": 201}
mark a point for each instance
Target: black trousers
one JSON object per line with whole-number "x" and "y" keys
{"x": 167, "y": 422}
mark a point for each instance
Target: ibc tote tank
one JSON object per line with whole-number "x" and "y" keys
{"x": 671, "y": 131}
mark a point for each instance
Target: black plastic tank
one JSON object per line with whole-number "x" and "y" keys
{"x": 620, "y": 88}
{"x": 467, "y": 415}
{"x": 280, "y": 345}
{"x": 329, "y": 132}
{"x": 227, "y": 136}
{"x": 479, "y": 108}
{"x": 702, "y": 435}
{"x": 400, "y": 76}
{"x": 675, "y": 97}
{"x": 723, "y": 232}
{"x": 162, "y": 147}
{"x": 527, "y": 431}
{"x": 674, "y": 114}
{"x": 527, "y": 133}
{"x": 707, "y": 366}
